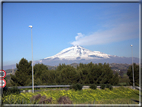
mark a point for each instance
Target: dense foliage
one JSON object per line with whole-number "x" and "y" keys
{"x": 136, "y": 74}
{"x": 8, "y": 91}
{"x": 77, "y": 86}
{"x": 39, "y": 70}
{"x": 64, "y": 74}
{"x": 93, "y": 86}
{"x": 103, "y": 86}
{"x": 23, "y": 74}
{"x": 110, "y": 87}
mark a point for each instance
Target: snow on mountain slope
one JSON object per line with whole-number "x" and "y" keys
{"x": 78, "y": 52}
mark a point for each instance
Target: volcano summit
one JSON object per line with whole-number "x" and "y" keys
{"x": 78, "y": 54}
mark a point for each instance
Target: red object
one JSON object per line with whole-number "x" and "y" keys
{"x": 2, "y": 85}
{"x": 4, "y": 74}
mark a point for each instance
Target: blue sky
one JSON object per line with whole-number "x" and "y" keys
{"x": 106, "y": 27}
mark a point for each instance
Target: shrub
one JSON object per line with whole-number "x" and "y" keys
{"x": 7, "y": 91}
{"x": 71, "y": 86}
{"x": 102, "y": 86}
{"x": 93, "y": 86}
{"x": 110, "y": 87}
{"x": 77, "y": 86}
{"x": 14, "y": 90}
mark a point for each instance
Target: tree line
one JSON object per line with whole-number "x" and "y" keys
{"x": 63, "y": 75}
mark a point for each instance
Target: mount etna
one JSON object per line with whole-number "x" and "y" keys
{"x": 78, "y": 54}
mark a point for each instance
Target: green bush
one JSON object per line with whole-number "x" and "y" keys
{"x": 102, "y": 86}
{"x": 74, "y": 86}
{"x": 71, "y": 86}
{"x": 77, "y": 86}
{"x": 110, "y": 87}
{"x": 7, "y": 91}
{"x": 93, "y": 86}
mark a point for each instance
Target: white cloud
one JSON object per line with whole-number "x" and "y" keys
{"x": 114, "y": 28}
{"x": 79, "y": 35}
{"x": 119, "y": 32}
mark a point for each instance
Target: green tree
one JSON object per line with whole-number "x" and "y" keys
{"x": 23, "y": 73}
{"x": 49, "y": 77}
{"x": 81, "y": 66}
{"x": 38, "y": 70}
{"x": 83, "y": 71}
{"x": 60, "y": 67}
{"x": 44, "y": 76}
{"x": 136, "y": 74}
{"x": 95, "y": 73}
{"x": 84, "y": 76}
{"x": 52, "y": 76}
{"x": 68, "y": 75}
{"x": 109, "y": 75}
{"x": 115, "y": 79}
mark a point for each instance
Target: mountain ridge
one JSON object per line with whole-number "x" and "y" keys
{"x": 78, "y": 54}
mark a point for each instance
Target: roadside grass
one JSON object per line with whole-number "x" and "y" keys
{"x": 116, "y": 101}
{"x": 119, "y": 95}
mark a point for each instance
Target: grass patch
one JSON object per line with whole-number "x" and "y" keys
{"x": 119, "y": 95}
{"x": 116, "y": 101}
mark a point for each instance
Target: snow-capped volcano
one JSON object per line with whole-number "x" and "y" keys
{"x": 78, "y": 52}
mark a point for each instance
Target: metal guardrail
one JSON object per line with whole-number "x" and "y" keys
{"x": 66, "y": 86}
{"x": 43, "y": 86}
{"x": 139, "y": 88}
